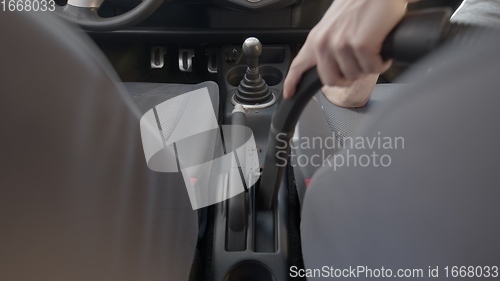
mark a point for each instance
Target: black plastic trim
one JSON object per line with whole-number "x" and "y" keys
{"x": 213, "y": 35}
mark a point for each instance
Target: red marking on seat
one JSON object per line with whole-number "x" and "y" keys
{"x": 308, "y": 181}
{"x": 193, "y": 181}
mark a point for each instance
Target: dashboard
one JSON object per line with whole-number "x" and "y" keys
{"x": 262, "y": 14}
{"x": 255, "y": 4}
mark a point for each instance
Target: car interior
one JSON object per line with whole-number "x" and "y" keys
{"x": 79, "y": 202}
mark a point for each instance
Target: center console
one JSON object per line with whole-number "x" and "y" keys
{"x": 251, "y": 80}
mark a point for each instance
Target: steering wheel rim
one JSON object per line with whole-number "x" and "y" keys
{"x": 84, "y": 14}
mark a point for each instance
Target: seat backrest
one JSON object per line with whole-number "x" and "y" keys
{"x": 77, "y": 200}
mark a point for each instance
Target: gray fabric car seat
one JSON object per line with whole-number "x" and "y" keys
{"x": 323, "y": 120}
{"x": 345, "y": 123}
{"x": 77, "y": 200}
{"x": 437, "y": 203}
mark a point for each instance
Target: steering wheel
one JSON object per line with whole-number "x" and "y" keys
{"x": 84, "y": 13}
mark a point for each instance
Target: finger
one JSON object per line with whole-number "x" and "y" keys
{"x": 348, "y": 63}
{"x": 333, "y": 94}
{"x": 369, "y": 61}
{"x": 355, "y": 96}
{"x": 386, "y": 66}
{"x": 329, "y": 72}
{"x": 304, "y": 61}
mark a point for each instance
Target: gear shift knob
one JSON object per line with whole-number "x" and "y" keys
{"x": 252, "y": 89}
{"x": 252, "y": 48}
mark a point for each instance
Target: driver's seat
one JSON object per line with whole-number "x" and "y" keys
{"x": 77, "y": 200}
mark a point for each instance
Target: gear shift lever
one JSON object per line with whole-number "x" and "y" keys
{"x": 252, "y": 89}
{"x": 252, "y": 48}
